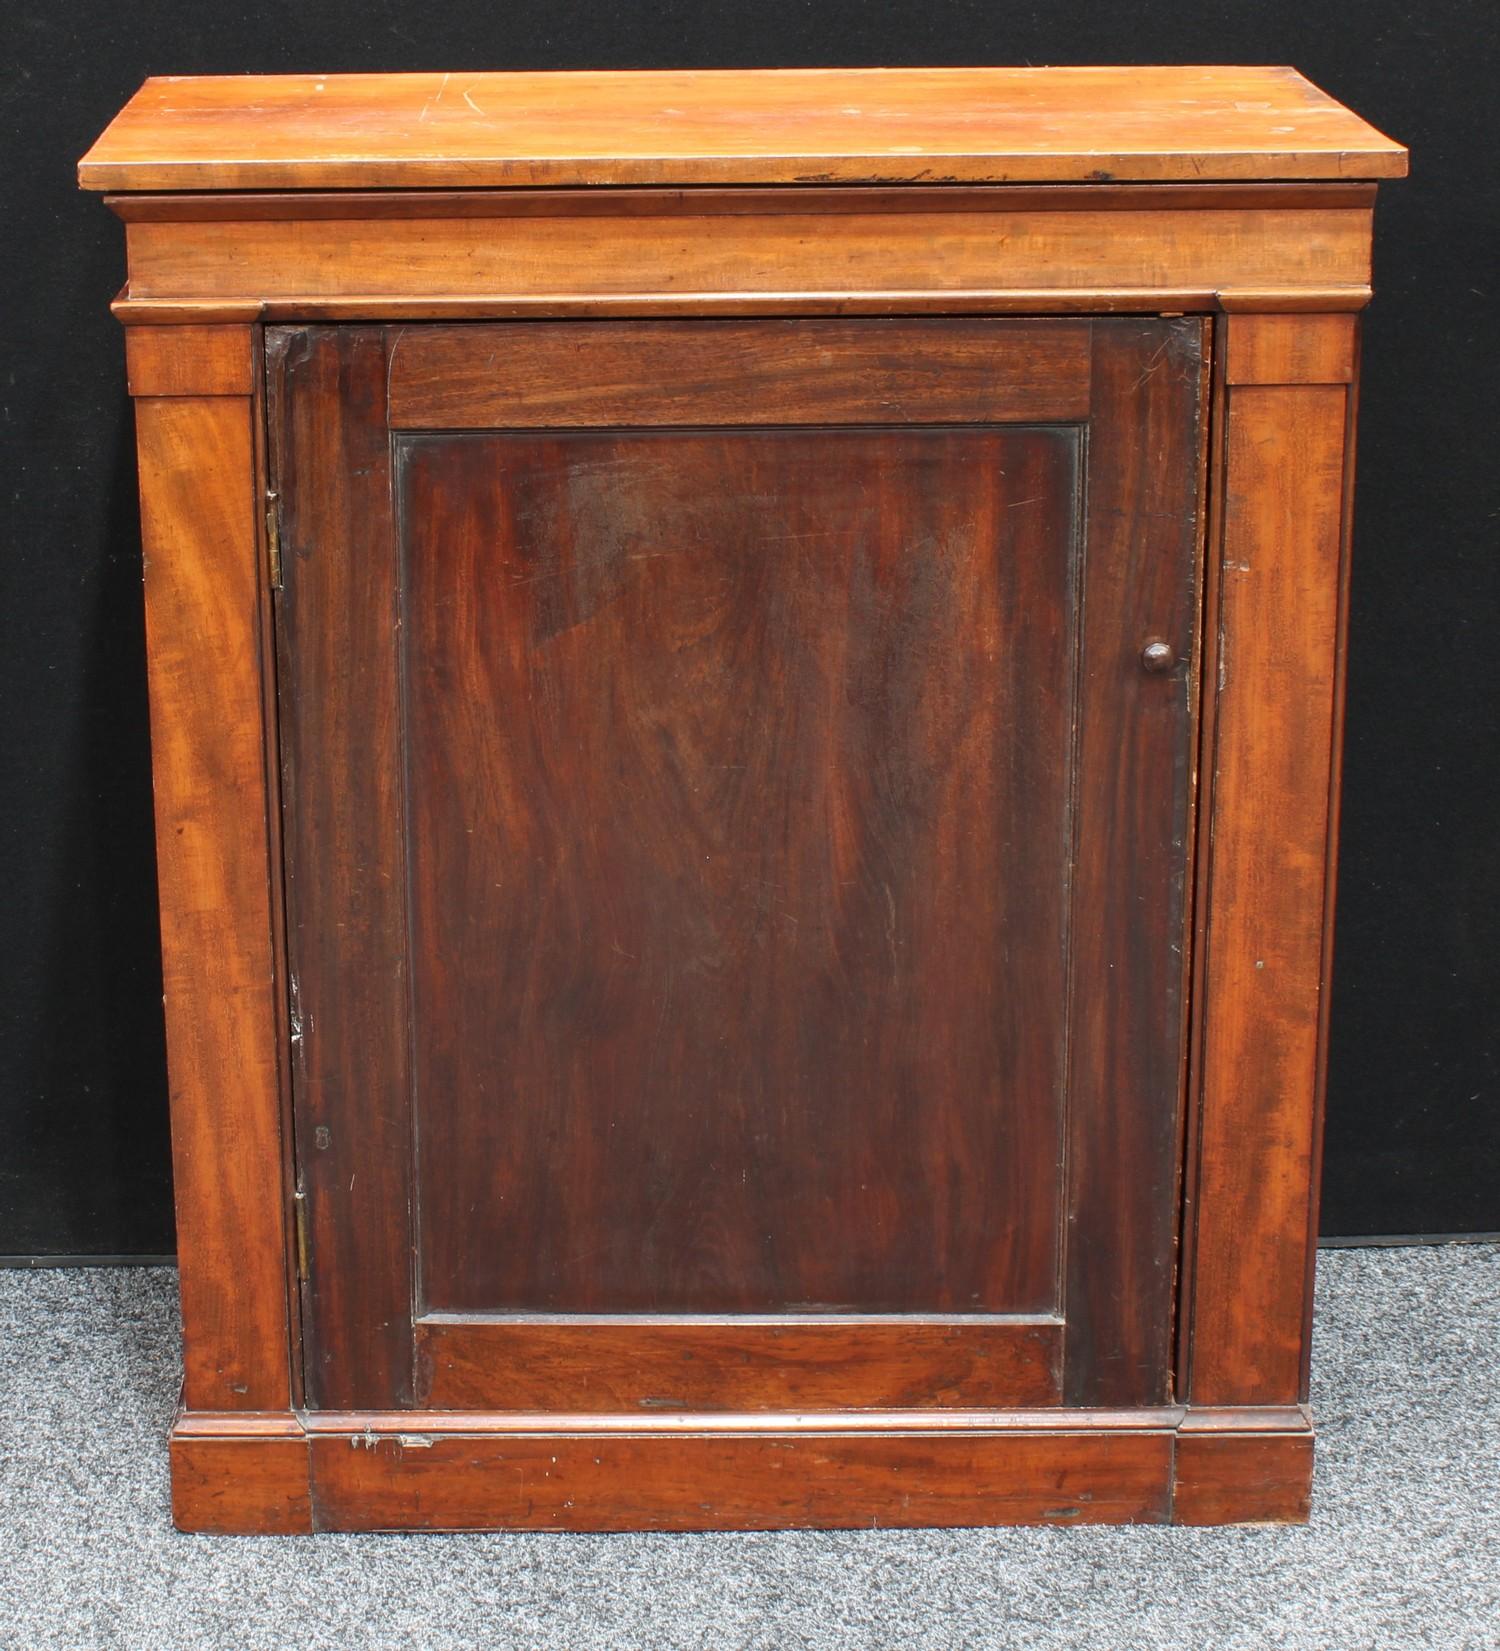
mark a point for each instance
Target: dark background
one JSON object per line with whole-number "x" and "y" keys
{"x": 1414, "y": 1128}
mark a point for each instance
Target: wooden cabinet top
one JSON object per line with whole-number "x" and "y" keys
{"x": 775, "y": 126}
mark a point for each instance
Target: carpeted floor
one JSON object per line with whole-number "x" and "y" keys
{"x": 1403, "y": 1551}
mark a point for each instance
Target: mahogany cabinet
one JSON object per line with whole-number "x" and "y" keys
{"x": 745, "y": 682}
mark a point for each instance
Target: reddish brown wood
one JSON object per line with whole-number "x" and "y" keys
{"x": 343, "y": 854}
{"x": 1290, "y": 349}
{"x": 778, "y": 256}
{"x": 267, "y": 559}
{"x": 551, "y": 375}
{"x": 255, "y": 1483}
{"x": 900, "y": 803}
{"x": 736, "y": 1365}
{"x": 227, "y": 207}
{"x": 1303, "y": 299}
{"x": 743, "y": 1035}
{"x": 1279, "y": 621}
{"x": 1330, "y": 880}
{"x": 203, "y": 594}
{"x": 1243, "y": 1479}
{"x": 189, "y": 361}
{"x": 596, "y": 1004}
{"x": 754, "y": 1424}
{"x": 710, "y": 1482}
{"x": 1054, "y": 301}
{"x": 132, "y": 313}
{"x": 1133, "y": 777}
{"x": 592, "y": 1471}
{"x": 683, "y": 126}
{"x": 1236, "y": 1419}
{"x": 1208, "y": 662}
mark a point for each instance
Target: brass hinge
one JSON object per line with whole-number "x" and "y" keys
{"x": 299, "y": 1209}
{"x": 273, "y": 535}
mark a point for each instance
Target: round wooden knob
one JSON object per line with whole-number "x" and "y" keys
{"x": 1157, "y": 657}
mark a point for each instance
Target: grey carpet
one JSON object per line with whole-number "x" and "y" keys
{"x": 1403, "y": 1551}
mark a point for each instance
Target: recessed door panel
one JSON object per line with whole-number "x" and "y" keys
{"x": 739, "y": 797}
{"x": 736, "y": 857}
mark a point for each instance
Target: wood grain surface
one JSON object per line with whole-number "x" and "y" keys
{"x": 189, "y": 361}
{"x": 1272, "y": 774}
{"x": 754, "y": 372}
{"x": 732, "y": 758}
{"x": 728, "y": 755}
{"x": 203, "y": 633}
{"x": 436, "y": 1470}
{"x": 714, "y": 256}
{"x": 1290, "y": 349}
{"x": 343, "y": 851}
{"x": 1134, "y": 801}
{"x": 257, "y": 1484}
{"x": 1243, "y": 1479}
{"x": 726, "y": 957}
{"x": 736, "y": 1364}
{"x": 708, "y": 1482}
{"x": 806, "y": 126}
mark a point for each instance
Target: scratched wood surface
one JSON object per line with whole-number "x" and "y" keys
{"x": 807, "y": 126}
{"x": 663, "y": 868}
{"x": 833, "y": 1482}
{"x": 731, "y": 757}
{"x": 447, "y": 1469}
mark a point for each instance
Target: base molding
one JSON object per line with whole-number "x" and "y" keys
{"x": 288, "y": 1472}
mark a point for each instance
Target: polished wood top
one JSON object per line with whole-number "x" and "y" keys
{"x": 771, "y": 126}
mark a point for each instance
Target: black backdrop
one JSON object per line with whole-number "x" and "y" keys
{"x": 1414, "y": 1128}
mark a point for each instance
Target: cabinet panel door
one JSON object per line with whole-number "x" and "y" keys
{"x": 736, "y": 857}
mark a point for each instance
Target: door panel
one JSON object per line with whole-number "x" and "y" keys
{"x": 738, "y": 834}
{"x": 689, "y": 785}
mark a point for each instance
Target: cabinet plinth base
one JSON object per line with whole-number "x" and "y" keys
{"x": 290, "y": 1472}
